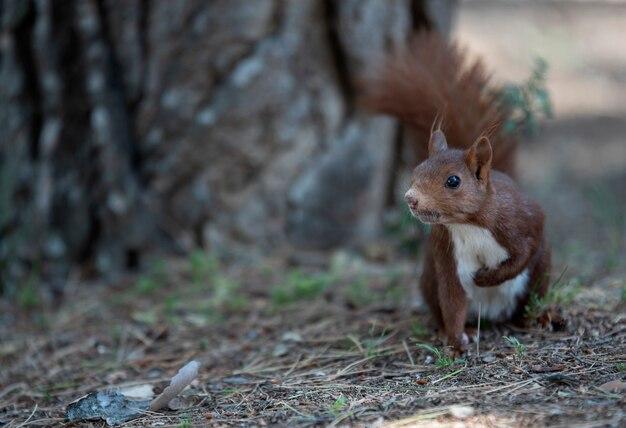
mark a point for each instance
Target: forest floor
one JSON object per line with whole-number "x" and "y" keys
{"x": 342, "y": 344}
{"x": 317, "y": 348}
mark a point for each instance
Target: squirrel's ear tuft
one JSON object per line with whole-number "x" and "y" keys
{"x": 437, "y": 142}
{"x": 478, "y": 158}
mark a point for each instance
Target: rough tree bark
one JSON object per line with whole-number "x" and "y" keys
{"x": 138, "y": 126}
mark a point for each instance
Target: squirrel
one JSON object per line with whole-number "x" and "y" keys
{"x": 486, "y": 251}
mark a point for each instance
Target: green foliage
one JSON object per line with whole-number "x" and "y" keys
{"x": 520, "y": 348}
{"x": 300, "y": 286}
{"x": 441, "y": 359}
{"x": 358, "y": 293}
{"x": 28, "y": 297}
{"x": 148, "y": 317}
{"x": 171, "y": 305}
{"x": 184, "y": 423}
{"x": 204, "y": 344}
{"x": 146, "y": 285}
{"x": 205, "y": 270}
{"x": 207, "y": 297}
{"x": 229, "y": 391}
{"x": 418, "y": 329}
{"x": 202, "y": 266}
{"x": 620, "y": 367}
{"x": 372, "y": 347}
{"x": 154, "y": 280}
{"x": 227, "y": 295}
{"x": 395, "y": 293}
{"x": 338, "y": 405}
{"x": 528, "y": 102}
{"x": 559, "y": 293}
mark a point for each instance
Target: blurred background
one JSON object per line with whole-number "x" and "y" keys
{"x": 135, "y": 130}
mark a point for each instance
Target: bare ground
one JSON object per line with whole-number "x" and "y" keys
{"x": 331, "y": 352}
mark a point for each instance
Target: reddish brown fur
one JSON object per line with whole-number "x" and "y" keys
{"x": 413, "y": 87}
{"x": 430, "y": 77}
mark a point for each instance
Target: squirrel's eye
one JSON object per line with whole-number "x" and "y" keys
{"x": 453, "y": 182}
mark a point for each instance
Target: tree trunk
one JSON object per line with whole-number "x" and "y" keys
{"x": 140, "y": 126}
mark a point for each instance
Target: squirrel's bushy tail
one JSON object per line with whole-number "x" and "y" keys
{"x": 432, "y": 77}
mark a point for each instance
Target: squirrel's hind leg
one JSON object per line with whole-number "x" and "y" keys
{"x": 429, "y": 287}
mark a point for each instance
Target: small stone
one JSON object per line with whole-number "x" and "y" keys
{"x": 280, "y": 350}
{"x": 291, "y": 336}
{"x": 488, "y": 358}
{"x": 110, "y": 406}
{"x": 461, "y": 412}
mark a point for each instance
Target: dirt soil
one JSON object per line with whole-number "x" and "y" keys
{"x": 336, "y": 351}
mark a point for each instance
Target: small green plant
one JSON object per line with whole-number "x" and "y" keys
{"x": 441, "y": 359}
{"x": 520, "y": 348}
{"x": 358, "y": 293}
{"x": 171, "y": 306}
{"x": 338, "y": 405}
{"x": 418, "y": 329}
{"x": 226, "y": 298}
{"x": 527, "y": 103}
{"x": 28, "y": 295}
{"x": 443, "y": 362}
{"x": 230, "y": 391}
{"x": 148, "y": 317}
{"x": 202, "y": 267}
{"x": 153, "y": 280}
{"x": 372, "y": 347}
{"x": 146, "y": 285}
{"x": 226, "y": 294}
{"x": 300, "y": 286}
{"x": 184, "y": 423}
{"x": 559, "y": 293}
{"x": 395, "y": 293}
{"x": 620, "y": 367}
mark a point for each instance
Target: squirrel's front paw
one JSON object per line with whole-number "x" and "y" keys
{"x": 482, "y": 277}
{"x": 459, "y": 345}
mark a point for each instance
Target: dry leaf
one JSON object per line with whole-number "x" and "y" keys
{"x": 613, "y": 386}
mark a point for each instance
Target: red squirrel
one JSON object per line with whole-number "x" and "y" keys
{"x": 486, "y": 246}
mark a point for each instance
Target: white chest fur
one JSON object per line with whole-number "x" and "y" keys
{"x": 474, "y": 248}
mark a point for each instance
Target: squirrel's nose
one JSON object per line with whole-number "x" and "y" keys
{"x": 411, "y": 199}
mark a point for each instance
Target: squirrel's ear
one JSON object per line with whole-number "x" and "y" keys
{"x": 437, "y": 142}
{"x": 478, "y": 158}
